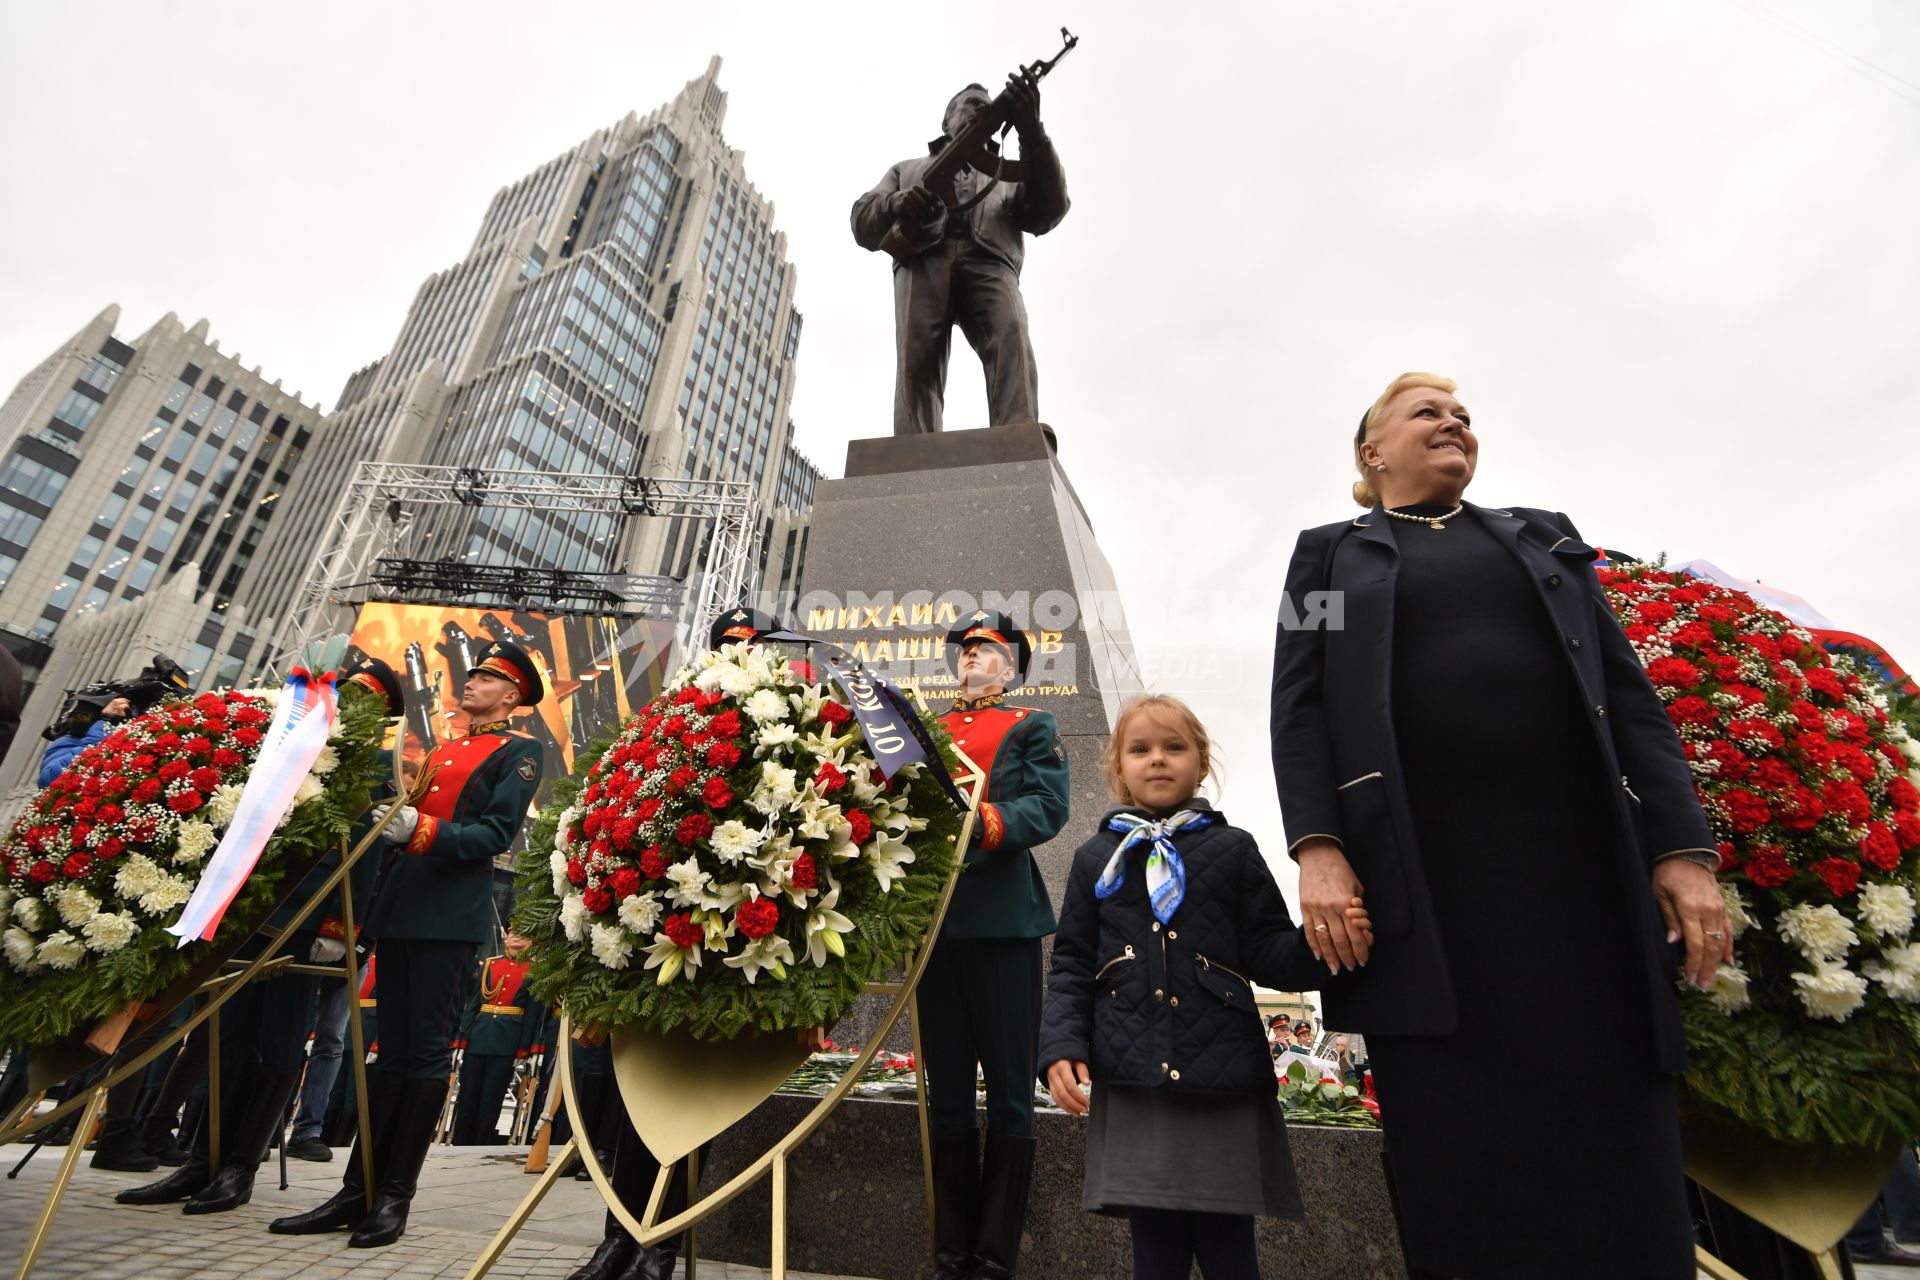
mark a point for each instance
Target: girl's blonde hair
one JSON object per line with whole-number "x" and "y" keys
{"x": 1175, "y": 710}
{"x": 1363, "y": 491}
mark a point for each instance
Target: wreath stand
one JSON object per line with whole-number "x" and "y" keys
{"x": 694, "y": 1090}
{"x": 216, "y": 979}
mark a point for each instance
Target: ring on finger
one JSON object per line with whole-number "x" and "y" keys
{"x": 1717, "y": 935}
{"x": 1320, "y": 928}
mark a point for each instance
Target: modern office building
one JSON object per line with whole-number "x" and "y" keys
{"x": 144, "y": 473}
{"x": 626, "y": 308}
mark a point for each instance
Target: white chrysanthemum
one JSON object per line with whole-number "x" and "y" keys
{"x": 164, "y": 896}
{"x": 1739, "y": 919}
{"x": 137, "y": 874}
{"x": 110, "y": 931}
{"x": 197, "y": 840}
{"x": 612, "y": 946}
{"x": 1831, "y": 991}
{"x": 574, "y": 917}
{"x": 563, "y": 830}
{"x": 557, "y": 863}
{"x": 1887, "y": 909}
{"x": 1898, "y": 971}
{"x": 687, "y": 880}
{"x": 727, "y": 678}
{"x": 733, "y": 840}
{"x": 640, "y": 912}
{"x": 62, "y": 951}
{"x": 75, "y": 905}
{"x": 222, "y": 803}
{"x": 1729, "y": 989}
{"x": 21, "y": 950}
{"x": 777, "y": 788}
{"x": 765, "y": 707}
{"x": 30, "y": 913}
{"x": 775, "y": 736}
{"x": 310, "y": 788}
{"x": 1821, "y": 933}
{"x": 325, "y": 763}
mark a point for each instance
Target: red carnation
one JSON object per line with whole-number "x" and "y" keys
{"x": 708, "y": 701}
{"x": 77, "y": 836}
{"x": 647, "y": 810}
{"x": 142, "y": 763}
{"x": 1848, "y": 799}
{"x": 174, "y": 770}
{"x": 682, "y": 778}
{"x": 694, "y": 828}
{"x": 1842, "y": 876}
{"x": 723, "y": 755}
{"x": 77, "y": 865}
{"x": 653, "y": 863}
{"x": 1772, "y": 775}
{"x": 1715, "y": 613}
{"x": 623, "y": 833}
{"x": 41, "y": 872}
{"x": 686, "y": 696}
{"x": 681, "y": 931}
{"x": 862, "y": 826}
{"x": 1879, "y": 847}
{"x": 576, "y": 871}
{"x": 591, "y": 794}
{"x": 226, "y": 758}
{"x": 832, "y": 713}
{"x": 142, "y": 830}
{"x": 1756, "y": 735}
{"x": 1903, "y": 796}
{"x": 829, "y": 778}
{"x": 111, "y": 847}
{"x": 1725, "y": 667}
{"x": 694, "y": 739}
{"x": 199, "y": 746}
{"x": 1822, "y": 680}
{"x": 1691, "y": 709}
{"x": 673, "y": 726}
{"x": 204, "y": 779}
{"x": 1729, "y": 856}
{"x": 1640, "y": 632}
{"x": 804, "y": 875}
{"x": 599, "y": 899}
{"x": 185, "y": 801}
{"x": 1657, "y": 612}
{"x": 249, "y": 715}
{"x": 167, "y": 742}
{"x": 1768, "y": 867}
{"x": 758, "y": 917}
{"x": 1906, "y": 830}
{"x": 1801, "y": 810}
{"x": 1746, "y": 811}
{"x": 725, "y": 725}
{"x": 247, "y": 737}
{"x": 1733, "y": 763}
{"x": 1676, "y": 673}
{"x": 717, "y": 793}
{"x": 625, "y": 883}
{"x": 594, "y": 823}
{"x": 1692, "y": 635}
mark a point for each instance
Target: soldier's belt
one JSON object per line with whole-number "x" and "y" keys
{"x": 501, "y": 1008}
{"x": 369, "y": 1004}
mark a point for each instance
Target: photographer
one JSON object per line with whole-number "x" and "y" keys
{"x": 90, "y": 714}
{"x": 61, "y": 751}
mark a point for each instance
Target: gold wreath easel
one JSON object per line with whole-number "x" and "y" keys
{"x": 215, "y": 988}
{"x": 707, "y": 1098}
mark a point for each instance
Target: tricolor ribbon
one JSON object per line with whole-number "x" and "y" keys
{"x": 1166, "y": 873}
{"x": 302, "y": 718}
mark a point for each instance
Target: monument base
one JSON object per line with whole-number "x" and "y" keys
{"x": 856, "y": 1204}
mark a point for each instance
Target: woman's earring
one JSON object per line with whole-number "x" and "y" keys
{"x": 1379, "y": 466}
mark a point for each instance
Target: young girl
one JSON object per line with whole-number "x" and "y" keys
{"x": 1150, "y": 1022}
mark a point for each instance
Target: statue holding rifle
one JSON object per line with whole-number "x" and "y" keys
{"x": 955, "y": 222}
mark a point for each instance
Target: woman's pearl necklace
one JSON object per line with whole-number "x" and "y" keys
{"x": 1436, "y": 523}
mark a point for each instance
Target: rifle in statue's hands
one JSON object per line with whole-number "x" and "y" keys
{"x": 972, "y": 148}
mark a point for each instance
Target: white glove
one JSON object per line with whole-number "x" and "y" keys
{"x": 403, "y": 826}
{"x": 326, "y": 951}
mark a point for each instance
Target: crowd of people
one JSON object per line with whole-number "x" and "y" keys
{"x": 1495, "y": 830}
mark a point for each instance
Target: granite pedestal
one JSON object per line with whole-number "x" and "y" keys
{"x": 856, "y": 1204}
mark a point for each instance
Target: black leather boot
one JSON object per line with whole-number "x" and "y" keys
{"x": 608, "y": 1261}
{"x": 120, "y": 1149}
{"x": 413, "y": 1124}
{"x": 265, "y": 1111}
{"x": 156, "y": 1134}
{"x": 186, "y": 1181}
{"x": 956, "y": 1187}
{"x": 347, "y": 1206}
{"x": 1006, "y": 1175}
{"x": 655, "y": 1263}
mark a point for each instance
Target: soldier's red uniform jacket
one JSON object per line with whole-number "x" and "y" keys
{"x": 440, "y": 884}
{"x": 1001, "y": 894}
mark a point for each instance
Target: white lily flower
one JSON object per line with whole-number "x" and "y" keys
{"x": 887, "y": 855}
{"x": 773, "y": 953}
{"x": 671, "y": 959}
{"x": 824, "y": 925}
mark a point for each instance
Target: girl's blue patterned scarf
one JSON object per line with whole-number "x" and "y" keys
{"x": 1166, "y": 873}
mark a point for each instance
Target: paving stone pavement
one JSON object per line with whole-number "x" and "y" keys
{"x": 465, "y": 1194}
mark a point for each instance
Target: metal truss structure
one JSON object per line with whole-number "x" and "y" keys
{"x": 361, "y": 555}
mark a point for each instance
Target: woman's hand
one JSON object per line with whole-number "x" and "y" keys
{"x": 1689, "y": 898}
{"x": 1328, "y": 890}
{"x": 1068, "y": 1081}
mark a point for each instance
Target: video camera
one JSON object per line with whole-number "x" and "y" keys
{"x": 161, "y": 678}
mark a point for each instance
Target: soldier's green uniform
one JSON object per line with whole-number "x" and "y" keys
{"x": 979, "y": 999}
{"x": 504, "y": 1025}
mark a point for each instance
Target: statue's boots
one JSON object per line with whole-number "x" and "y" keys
{"x": 414, "y": 1122}
{"x": 262, "y": 1116}
{"x": 184, "y": 1182}
{"x": 956, "y": 1192}
{"x": 348, "y": 1205}
{"x": 1006, "y": 1176}
{"x": 609, "y": 1261}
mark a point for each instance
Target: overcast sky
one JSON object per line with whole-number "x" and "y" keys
{"x": 1668, "y": 247}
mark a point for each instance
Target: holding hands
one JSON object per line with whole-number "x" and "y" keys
{"x": 1339, "y": 932}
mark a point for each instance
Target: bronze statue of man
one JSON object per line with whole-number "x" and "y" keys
{"x": 970, "y": 274}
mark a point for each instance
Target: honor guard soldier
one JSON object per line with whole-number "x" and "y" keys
{"x": 505, "y": 1025}
{"x": 741, "y": 623}
{"x": 979, "y": 998}
{"x": 263, "y": 1029}
{"x": 433, "y": 910}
